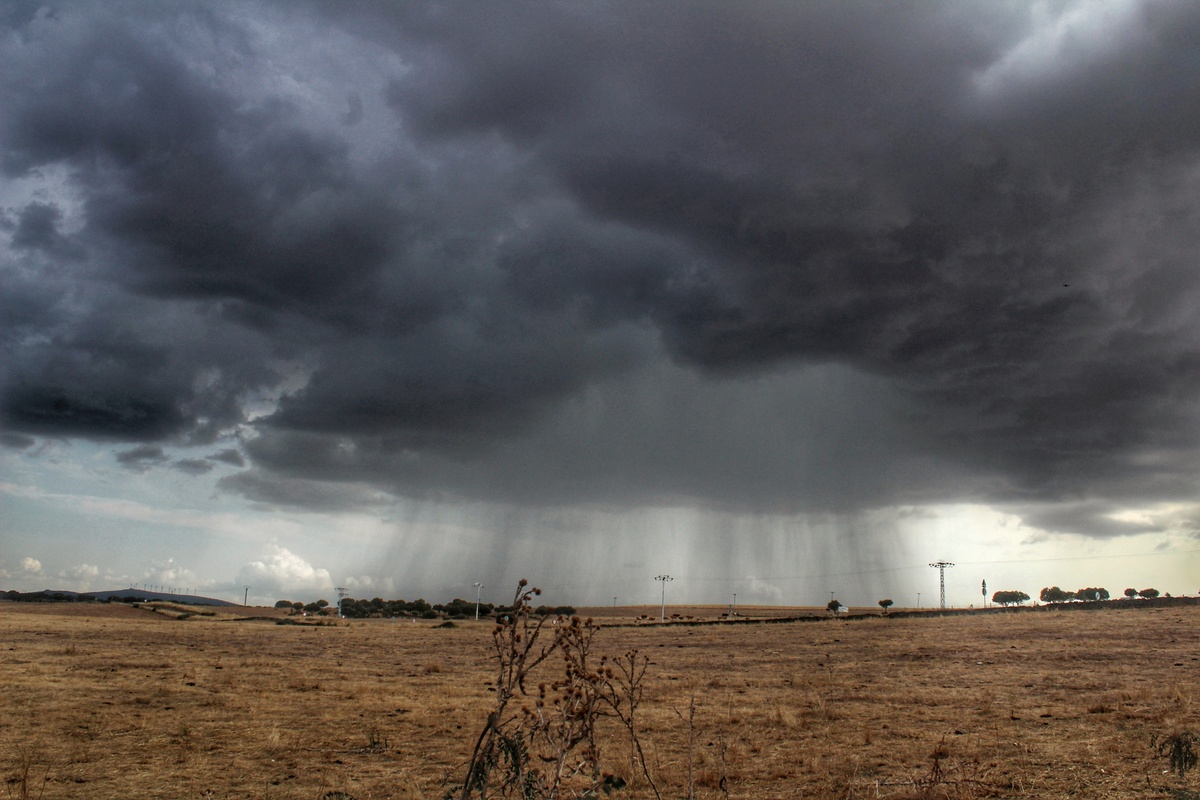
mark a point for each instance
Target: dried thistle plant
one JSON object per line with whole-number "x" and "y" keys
{"x": 550, "y": 745}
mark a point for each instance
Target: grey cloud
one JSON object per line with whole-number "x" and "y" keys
{"x": 590, "y": 253}
{"x": 37, "y": 226}
{"x": 273, "y": 491}
{"x": 354, "y": 109}
{"x": 1105, "y": 518}
{"x": 827, "y": 439}
{"x": 228, "y": 456}
{"x": 193, "y": 466}
{"x": 142, "y": 457}
{"x": 17, "y": 441}
{"x": 128, "y": 371}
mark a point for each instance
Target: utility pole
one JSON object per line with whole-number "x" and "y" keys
{"x": 246, "y": 597}
{"x": 614, "y": 602}
{"x": 940, "y": 566}
{"x": 733, "y": 605}
{"x": 478, "y": 594}
{"x": 662, "y": 616}
{"x": 918, "y": 600}
{"x": 342, "y": 592}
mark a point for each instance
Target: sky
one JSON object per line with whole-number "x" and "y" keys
{"x": 784, "y": 300}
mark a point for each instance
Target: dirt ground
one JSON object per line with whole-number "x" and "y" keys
{"x": 109, "y": 701}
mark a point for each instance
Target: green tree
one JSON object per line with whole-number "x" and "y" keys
{"x": 1009, "y": 597}
{"x": 1054, "y": 594}
{"x": 885, "y": 604}
{"x": 1131, "y": 593}
{"x": 833, "y": 606}
{"x": 1148, "y": 594}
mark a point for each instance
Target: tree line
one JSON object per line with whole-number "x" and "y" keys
{"x": 1053, "y": 594}
{"x": 377, "y": 607}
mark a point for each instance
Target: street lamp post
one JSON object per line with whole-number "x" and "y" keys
{"x": 478, "y": 594}
{"x": 662, "y": 616}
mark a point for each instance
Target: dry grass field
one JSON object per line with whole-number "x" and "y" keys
{"x": 107, "y": 702}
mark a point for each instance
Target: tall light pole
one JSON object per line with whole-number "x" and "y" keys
{"x": 662, "y": 616}
{"x": 733, "y": 605}
{"x": 940, "y": 566}
{"x": 478, "y": 594}
{"x": 246, "y": 597}
{"x": 918, "y": 600}
{"x": 342, "y": 593}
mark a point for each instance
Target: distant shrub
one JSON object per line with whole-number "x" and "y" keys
{"x": 1179, "y": 751}
{"x": 550, "y": 611}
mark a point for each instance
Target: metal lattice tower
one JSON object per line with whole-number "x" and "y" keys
{"x": 940, "y": 566}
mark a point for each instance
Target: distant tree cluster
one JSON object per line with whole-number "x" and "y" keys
{"x": 1053, "y": 594}
{"x": 48, "y": 597}
{"x": 1009, "y": 597}
{"x": 317, "y": 607}
{"x": 377, "y": 608}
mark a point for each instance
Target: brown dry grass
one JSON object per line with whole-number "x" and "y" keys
{"x": 105, "y": 701}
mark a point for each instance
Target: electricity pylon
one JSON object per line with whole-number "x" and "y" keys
{"x": 940, "y": 566}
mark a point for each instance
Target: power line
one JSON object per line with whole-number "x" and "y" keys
{"x": 881, "y": 570}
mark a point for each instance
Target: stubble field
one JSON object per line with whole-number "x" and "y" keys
{"x": 108, "y": 701}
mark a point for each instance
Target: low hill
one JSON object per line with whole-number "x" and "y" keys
{"x": 113, "y": 595}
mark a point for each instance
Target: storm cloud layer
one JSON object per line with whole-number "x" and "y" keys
{"x": 755, "y": 256}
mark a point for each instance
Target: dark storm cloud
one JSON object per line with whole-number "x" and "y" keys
{"x": 142, "y": 457}
{"x": 17, "y": 441}
{"x": 193, "y": 466}
{"x": 476, "y": 251}
{"x": 228, "y": 456}
{"x": 37, "y": 226}
{"x": 273, "y": 491}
